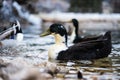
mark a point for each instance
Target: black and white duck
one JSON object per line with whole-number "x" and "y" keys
{"x": 76, "y": 38}
{"x": 14, "y": 33}
{"x": 88, "y": 50}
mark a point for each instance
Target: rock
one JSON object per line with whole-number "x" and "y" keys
{"x": 0, "y": 44}
{"x": 1, "y": 79}
{"x": 1, "y": 61}
{"x": 11, "y": 71}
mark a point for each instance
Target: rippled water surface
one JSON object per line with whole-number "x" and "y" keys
{"x": 34, "y": 50}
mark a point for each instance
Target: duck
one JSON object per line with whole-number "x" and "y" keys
{"x": 88, "y": 50}
{"x": 75, "y": 37}
{"x": 12, "y": 34}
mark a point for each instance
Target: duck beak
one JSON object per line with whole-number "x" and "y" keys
{"x": 47, "y": 32}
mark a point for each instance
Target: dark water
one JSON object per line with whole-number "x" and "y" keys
{"x": 33, "y": 50}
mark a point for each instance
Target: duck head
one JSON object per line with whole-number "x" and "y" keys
{"x": 17, "y": 30}
{"x": 16, "y": 26}
{"x": 75, "y": 22}
{"x": 59, "y": 32}
{"x": 56, "y": 29}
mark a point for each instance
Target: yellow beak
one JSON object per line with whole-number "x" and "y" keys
{"x": 47, "y": 32}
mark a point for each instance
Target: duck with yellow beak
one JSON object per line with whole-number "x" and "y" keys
{"x": 88, "y": 50}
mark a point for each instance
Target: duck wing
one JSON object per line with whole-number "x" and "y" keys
{"x": 92, "y": 38}
{"x": 88, "y": 44}
{"x": 84, "y": 51}
{"x": 79, "y": 39}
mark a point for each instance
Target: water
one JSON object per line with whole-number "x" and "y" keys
{"x": 33, "y": 50}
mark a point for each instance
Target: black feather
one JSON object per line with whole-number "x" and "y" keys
{"x": 78, "y": 38}
{"x": 59, "y": 29}
{"x": 88, "y": 50}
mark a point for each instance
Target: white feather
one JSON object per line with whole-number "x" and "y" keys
{"x": 55, "y": 49}
{"x": 19, "y": 37}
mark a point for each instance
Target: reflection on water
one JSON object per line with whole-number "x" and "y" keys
{"x": 33, "y": 50}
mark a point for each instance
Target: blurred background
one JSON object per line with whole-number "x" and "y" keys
{"x": 35, "y": 16}
{"x": 95, "y": 14}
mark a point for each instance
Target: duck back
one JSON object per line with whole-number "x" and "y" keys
{"x": 88, "y": 50}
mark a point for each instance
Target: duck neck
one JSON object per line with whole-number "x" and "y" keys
{"x": 76, "y": 31}
{"x": 58, "y": 39}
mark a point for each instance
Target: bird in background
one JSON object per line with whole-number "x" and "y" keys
{"x": 14, "y": 33}
{"x": 75, "y": 37}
